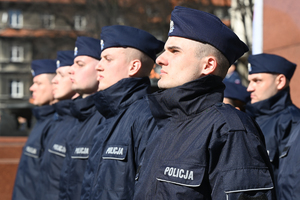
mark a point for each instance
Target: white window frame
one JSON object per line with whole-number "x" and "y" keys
{"x": 17, "y": 53}
{"x": 48, "y": 21}
{"x": 79, "y": 22}
{"x": 17, "y": 89}
{"x": 16, "y": 19}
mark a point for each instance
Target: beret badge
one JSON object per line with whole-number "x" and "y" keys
{"x": 57, "y": 64}
{"x": 171, "y": 26}
{"x": 75, "y": 51}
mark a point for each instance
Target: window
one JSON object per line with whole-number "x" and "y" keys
{"x": 15, "y": 19}
{"x": 79, "y": 22}
{"x": 48, "y": 21}
{"x": 17, "y": 54}
{"x": 16, "y": 89}
{"x": 4, "y": 17}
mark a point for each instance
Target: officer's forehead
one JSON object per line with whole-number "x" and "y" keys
{"x": 180, "y": 42}
{"x": 265, "y": 76}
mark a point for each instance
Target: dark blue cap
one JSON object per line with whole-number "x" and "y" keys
{"x": 44, "y": 66}
{"x": 87, "y": 46}
{"x": 236, "y": 91}
{"x": 126, "y": 36}
{"x": 269, "y": 63}
{"x": 206, "y": 28}
{"x": 64, "y": 58}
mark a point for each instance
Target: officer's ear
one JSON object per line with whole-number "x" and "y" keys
{"x": 281, "y": 81}
{"x": 135, "y": 66}
{"x": 210, "y": 65}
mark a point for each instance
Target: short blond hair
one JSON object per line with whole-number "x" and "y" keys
{"x": 204, "y": 49}
{"x": 146, "y": 61}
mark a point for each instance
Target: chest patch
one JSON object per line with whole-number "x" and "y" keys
{"x": 58, "y": 149}
{"x": 115, "y": 152}
{"x": 81, "y": 152}
{"x": 32, "y": 151}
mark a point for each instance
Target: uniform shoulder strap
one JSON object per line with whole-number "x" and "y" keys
{"x": 230, "y": 114}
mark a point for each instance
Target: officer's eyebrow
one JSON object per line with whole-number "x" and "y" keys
{"x": 172, "y": 48}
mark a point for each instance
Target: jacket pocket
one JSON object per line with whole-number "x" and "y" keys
{"x": 58, "y": 149}
{"x": 80, "y": 152}
{"x": 249, "y": 183}
{"x": 32, "y": 151}
{"x": 115, "y": 152}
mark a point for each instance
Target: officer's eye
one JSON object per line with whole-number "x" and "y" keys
{"x": 107, "y": 58}
{"x": 80, "y": 64}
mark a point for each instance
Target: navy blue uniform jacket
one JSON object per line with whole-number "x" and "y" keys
{"x": 289, "y": 168}
{"x": 78, "y": 144}
{"x": 120, "y": 141}
{"x": 276, "y": 117}
{"x": 203, "y": 149}
{"x": 28, "y": 171}
{"x": 48, "y": 187}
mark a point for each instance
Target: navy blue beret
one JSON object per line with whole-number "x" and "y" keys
{"x": 269, "y": 63}
{"x": 206, "y": 28}
{"x": 44, "y": 66}
{"x": 126, "y": 36}
{"x": 87, "y": 46}
{"x": 64, "y": 58}
{"x": 236, "y": 91}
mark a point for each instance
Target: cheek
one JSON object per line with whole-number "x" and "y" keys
{"x": 90, "y": 73}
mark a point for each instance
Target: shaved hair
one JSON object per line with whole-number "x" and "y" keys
{"x": 204, "y": 49}
{"x": 50, "y": 77}
{"x": 146, "y": 61}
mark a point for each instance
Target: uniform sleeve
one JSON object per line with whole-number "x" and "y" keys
{"x": 145, "y": 130}
{"x": 239, "y": 167}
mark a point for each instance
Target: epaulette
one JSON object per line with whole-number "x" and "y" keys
{"x": 231, "y": 117}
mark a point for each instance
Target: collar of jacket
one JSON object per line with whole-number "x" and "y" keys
{"x": 43, "y": 112}
{"x": 120, "y": 95}
{"x": 83, "y": 108}
{"x": 274, "y": 104}
{"x": 63, "y": 107}
{"x": 188, "y": 99}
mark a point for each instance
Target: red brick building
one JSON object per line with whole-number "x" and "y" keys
{"x": 281, "y": 35}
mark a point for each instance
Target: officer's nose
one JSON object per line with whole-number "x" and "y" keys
{"x": 99, "y": 66}
{"x": 161, "y": 60}
{"x": 71, "y": 71}
{"x": 250, "y": 87}
{"x": 54, "y": 80}
{"x": 31, "y": 88}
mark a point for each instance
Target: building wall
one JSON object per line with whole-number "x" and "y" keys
{"x": 10, "y": 152}
{"x": 281, "y": 36}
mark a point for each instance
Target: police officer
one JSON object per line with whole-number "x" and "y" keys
{"x": 80, "y": 138}
{"x": 26, "y": 180}
{"x": 48, "y": 187}
{"x": 203, "y": 149}
{"x": 289, "y": 170}
{"x": 236, "y": 95}
{"x": 271, "y": 104}
{"x": 127, "y": 58}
